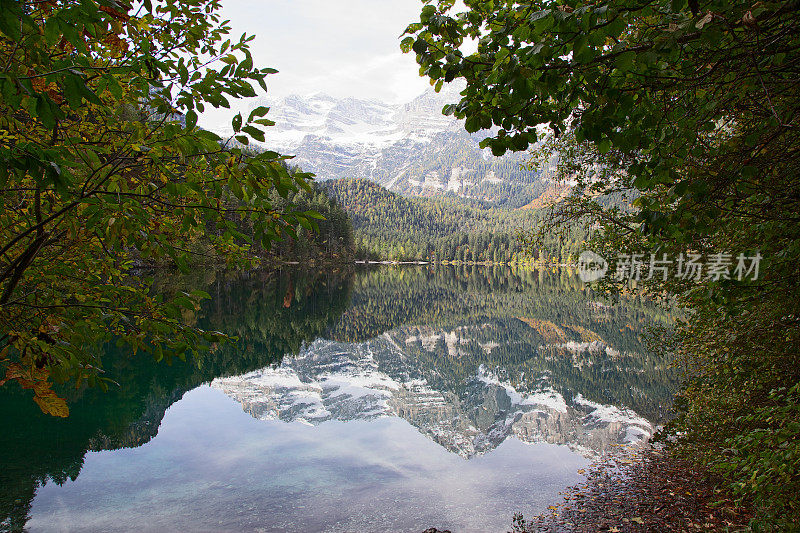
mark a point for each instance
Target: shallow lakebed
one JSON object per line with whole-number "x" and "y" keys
{"x": 385, "y": 399}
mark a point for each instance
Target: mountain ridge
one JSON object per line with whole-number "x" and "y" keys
{"x": 409, "y": 148}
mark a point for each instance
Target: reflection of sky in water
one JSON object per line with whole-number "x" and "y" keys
{"x": 213, "y": 467}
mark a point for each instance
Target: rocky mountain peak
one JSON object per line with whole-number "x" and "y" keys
{"x": 410, "y": 148}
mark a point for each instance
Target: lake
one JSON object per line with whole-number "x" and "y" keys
{"x": 375, "y": 399}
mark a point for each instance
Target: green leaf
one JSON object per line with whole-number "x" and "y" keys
{"x": 625, "y": 60}
{"x": 11, "y": 16}
{"x": 405, "y": 44}
{"x": 254, "y": 132}
{"x": 191, "y": 119}
{"x": 259, "y": 111}
{"x": 44, "y": 112}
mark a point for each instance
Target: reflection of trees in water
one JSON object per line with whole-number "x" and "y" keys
{"x": 275, "y": 313}
{"x": 540, "y": 321}
{"x": 35, "y": 447}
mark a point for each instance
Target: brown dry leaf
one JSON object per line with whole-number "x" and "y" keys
{"x": 117, "y": 14}
{"x": 705, "y": 20}
{"x": 17, "y": 372}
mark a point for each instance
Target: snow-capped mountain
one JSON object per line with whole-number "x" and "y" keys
{"x": 381, "y": 377}
{"x": 410, "y": 148}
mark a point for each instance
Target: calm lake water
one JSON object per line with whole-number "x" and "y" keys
{"x": 388, "y": 399}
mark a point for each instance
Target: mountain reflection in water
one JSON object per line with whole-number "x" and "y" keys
{"x": 470, "y": 357}
{"x": 382, "y": 377}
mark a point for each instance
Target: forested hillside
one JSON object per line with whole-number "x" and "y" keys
{"x": 390, "y": 226}
{"x": 331, "y": 239}
{"x": 325, "y": 234}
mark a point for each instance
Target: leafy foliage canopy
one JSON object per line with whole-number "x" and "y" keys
{"x": 691, "y": 108}
{"x": 103, "y": 169}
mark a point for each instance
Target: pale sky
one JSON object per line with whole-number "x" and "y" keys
{"x": 339, "y": 47}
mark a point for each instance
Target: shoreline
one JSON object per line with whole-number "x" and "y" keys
{"x": 469, "y": 263}
{"x": 647, "y": 489}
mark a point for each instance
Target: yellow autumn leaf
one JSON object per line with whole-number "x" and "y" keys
{"x": 51, "y": 404}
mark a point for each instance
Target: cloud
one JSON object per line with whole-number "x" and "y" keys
{"x": 341, "y": 47}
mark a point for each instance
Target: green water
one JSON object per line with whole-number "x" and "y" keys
{"x": 377, "y": 399}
